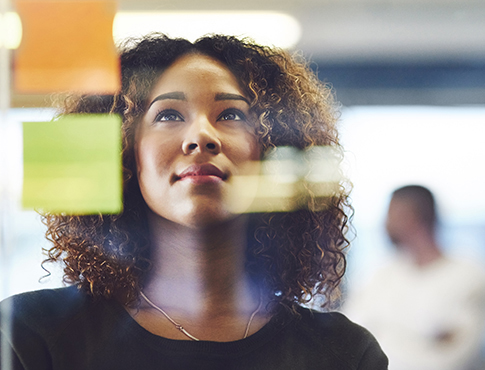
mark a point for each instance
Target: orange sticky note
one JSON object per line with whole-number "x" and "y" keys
{"x": 67, "y": 46}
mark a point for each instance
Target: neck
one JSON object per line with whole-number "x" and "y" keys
{"x": 200, "y": 272}
{"x": 428, "y": 256}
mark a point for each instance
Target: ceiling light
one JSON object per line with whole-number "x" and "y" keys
{"x": 10, "y": 30}
{"x": 265, "y": 28}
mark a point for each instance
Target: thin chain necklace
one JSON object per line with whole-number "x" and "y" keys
{"x": 185, "y": 332}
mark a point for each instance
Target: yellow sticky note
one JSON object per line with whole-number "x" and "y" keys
{"x": 73, "y": 165}
{"x": 67, "y": 45}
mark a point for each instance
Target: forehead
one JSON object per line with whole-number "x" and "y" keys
{"x": 198, "y": 72}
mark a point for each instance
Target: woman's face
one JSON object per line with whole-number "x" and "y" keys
{"x": 196, "y": 136}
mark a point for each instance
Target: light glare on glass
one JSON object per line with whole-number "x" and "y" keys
{"x": 290, "y": 180}
{"x": 265, "y": 28}
{"x": 10, "y": 30}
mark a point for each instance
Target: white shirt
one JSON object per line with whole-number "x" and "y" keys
{"x": 425, "y": 318}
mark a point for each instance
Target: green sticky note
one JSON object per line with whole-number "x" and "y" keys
{"x": 73, "y": 165}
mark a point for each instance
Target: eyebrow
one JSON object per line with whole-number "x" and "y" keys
{"x": 227, "y": 96}
{"x": 177, "y": 95}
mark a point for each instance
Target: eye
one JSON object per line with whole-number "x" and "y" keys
{"x": 168, "y": 115}
{"x": 232, "y": 115}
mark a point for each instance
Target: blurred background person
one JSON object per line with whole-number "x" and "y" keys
{"x": 426, "y": 309}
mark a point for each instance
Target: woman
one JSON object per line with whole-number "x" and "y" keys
{"x": 179, "y": 280}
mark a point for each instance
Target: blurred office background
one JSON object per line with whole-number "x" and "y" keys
{"x": 410, "y": 75}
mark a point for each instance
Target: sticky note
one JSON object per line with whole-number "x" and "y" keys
{"x": 290, "y": 179}
{"x": 73, "y": 165}
{"x": 66, "y": 46}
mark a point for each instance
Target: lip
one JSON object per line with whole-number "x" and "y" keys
{"x": 202, "y": 173}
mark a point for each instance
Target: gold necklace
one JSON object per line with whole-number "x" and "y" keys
{"x": 185, "y": 332}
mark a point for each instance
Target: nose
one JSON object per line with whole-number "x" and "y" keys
{"x": 201, "y": 137}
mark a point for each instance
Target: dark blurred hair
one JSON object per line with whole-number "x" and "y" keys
{"x": 295, "y": 255}
{"x": 422, "y": 201}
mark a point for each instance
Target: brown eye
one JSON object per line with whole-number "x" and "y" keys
{"x": 168, "y": 115}
{"x": 232, "y": 115}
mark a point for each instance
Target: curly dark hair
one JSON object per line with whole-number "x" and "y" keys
{"x": 296, "y": 255}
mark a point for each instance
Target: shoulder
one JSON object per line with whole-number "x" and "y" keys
{"x": 47, "y": 310}
{"x": 333, "y": 324}
{"x": 35, "y": 321}
{"x": 347, "y": 340}
{"x": 462, "y": 267}
{"x": 46, "y": 296}
{"x": 46, "y": 303}
{"x": 57, "y": 320}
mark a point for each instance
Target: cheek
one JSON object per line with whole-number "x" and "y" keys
{"x": 142, "y": 154}
{"x": 152, "y": 170}
{"x": 149, "y": 156}
{"x": 247, "y": 147}
{"x": 246, "y": 155}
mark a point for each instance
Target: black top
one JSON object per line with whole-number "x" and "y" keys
{"x": 66, "y": 329}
